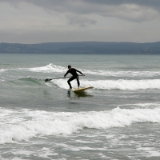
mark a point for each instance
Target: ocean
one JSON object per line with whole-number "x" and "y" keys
{"x": 119, "y": 119}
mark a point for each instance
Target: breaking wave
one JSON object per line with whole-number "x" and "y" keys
{"x": 25, "y": 124}
{"x": 113, "y": 84}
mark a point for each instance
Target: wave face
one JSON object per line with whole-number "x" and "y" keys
{"x": 25, "y": 124}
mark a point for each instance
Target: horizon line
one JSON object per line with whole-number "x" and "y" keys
{"x": 80, "y": 42}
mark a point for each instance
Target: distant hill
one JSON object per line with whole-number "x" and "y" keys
{"x": 83, "y": 48}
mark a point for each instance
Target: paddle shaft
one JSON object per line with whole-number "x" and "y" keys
{"x": 49, "y": 79}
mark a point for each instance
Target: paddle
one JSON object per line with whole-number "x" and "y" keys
{"x": 49, "y": 79}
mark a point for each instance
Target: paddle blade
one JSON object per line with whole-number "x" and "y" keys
{"x": 48, "y": 79}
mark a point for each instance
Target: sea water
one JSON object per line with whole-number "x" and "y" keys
{"x": 119, "y": 119}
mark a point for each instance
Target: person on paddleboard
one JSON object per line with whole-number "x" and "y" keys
{"x": 73, "y": 71}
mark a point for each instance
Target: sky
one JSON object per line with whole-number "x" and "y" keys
{"x": 38, "y": 21}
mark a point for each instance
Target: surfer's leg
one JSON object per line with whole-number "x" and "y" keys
{"x": 78, "y": 83}
{"x": 71, "y": 79}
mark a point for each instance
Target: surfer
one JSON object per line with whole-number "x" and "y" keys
{"x": 73, "y": 71}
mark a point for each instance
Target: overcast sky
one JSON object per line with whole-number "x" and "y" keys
{"x": 35, "y": 21}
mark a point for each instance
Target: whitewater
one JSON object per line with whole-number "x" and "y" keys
{"x": 118, "y": 119}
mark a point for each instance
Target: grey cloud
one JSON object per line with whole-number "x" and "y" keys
{"x": 148, "y": 3}
{"x": 32, "y": 21}
{"x": 81, "y": 21}
{"x": 69, "y": 4}
{"x": 80, "y": 5}
{"x": 123, "y": 9}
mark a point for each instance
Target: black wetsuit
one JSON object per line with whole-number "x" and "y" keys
{"x": 73, "y": 71}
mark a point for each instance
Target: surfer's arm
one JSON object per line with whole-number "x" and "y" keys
{"x": 80, "y": 72}
{"x": 66, "y": 74}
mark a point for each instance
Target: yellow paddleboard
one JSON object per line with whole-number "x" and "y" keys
{"x": 82, "y": 89}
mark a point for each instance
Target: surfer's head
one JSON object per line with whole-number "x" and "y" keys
{"x": 69, "y": 66}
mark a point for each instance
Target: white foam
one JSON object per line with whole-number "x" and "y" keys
{"x": 26, "y": 124}
{"x": 149, "y": 151}
{"x": 123, "y": 73}
{"x": 113, "y": 84}
{"x": 2, "y": 70}
{"x": 143, "y": 105}
{"x": 48, "y": 69}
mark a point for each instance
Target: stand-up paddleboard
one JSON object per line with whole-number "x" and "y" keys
{"x": 82, "y": 89}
